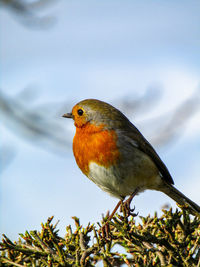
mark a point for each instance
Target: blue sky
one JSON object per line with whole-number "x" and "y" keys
{"x": 106, "y": 50}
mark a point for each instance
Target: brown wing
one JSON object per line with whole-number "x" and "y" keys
{"x": 147, "y": 148}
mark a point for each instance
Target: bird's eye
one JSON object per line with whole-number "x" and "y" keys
{"x": 80, "y": 112}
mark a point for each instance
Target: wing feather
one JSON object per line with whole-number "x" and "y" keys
{"x": 139, "y": 141}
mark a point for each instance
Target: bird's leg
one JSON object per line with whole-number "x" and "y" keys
{"x": 115, "y": 209}
{"x": 127, "y": 203}
{"x": 124, "y": 206}
{"x": 105, "y": 228}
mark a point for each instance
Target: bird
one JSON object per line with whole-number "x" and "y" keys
{"x": 115, "y": 155}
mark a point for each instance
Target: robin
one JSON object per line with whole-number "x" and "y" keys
{"x": 113, "y": 154}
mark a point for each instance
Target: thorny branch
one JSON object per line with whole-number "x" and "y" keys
{"x": 27, "y": 12}
{"x": 170, "y": 240}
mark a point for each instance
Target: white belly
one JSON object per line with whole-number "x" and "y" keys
{"x": 109, "y": 180}
{"x": 117, "y": 183}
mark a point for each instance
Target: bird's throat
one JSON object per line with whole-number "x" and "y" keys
{"x": 95, "y": 144}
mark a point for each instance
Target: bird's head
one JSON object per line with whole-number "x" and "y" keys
{"x": 97, "y": 113}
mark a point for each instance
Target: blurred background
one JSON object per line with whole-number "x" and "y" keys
{"x": 141, "y": 56}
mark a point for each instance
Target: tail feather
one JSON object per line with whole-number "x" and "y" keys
{"x": 181, "y": 199}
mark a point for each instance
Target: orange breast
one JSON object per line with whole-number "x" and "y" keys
{"x": 94, "y": 144}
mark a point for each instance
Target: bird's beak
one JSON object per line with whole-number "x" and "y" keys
{"x": 67, "y": 115}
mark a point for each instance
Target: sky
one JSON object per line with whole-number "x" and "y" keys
{"x": 109, "y": 50}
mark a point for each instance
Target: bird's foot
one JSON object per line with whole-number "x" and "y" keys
{"x": 127, "y": 210}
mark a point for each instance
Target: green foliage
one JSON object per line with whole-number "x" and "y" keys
{"x": 170, "y": 240}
